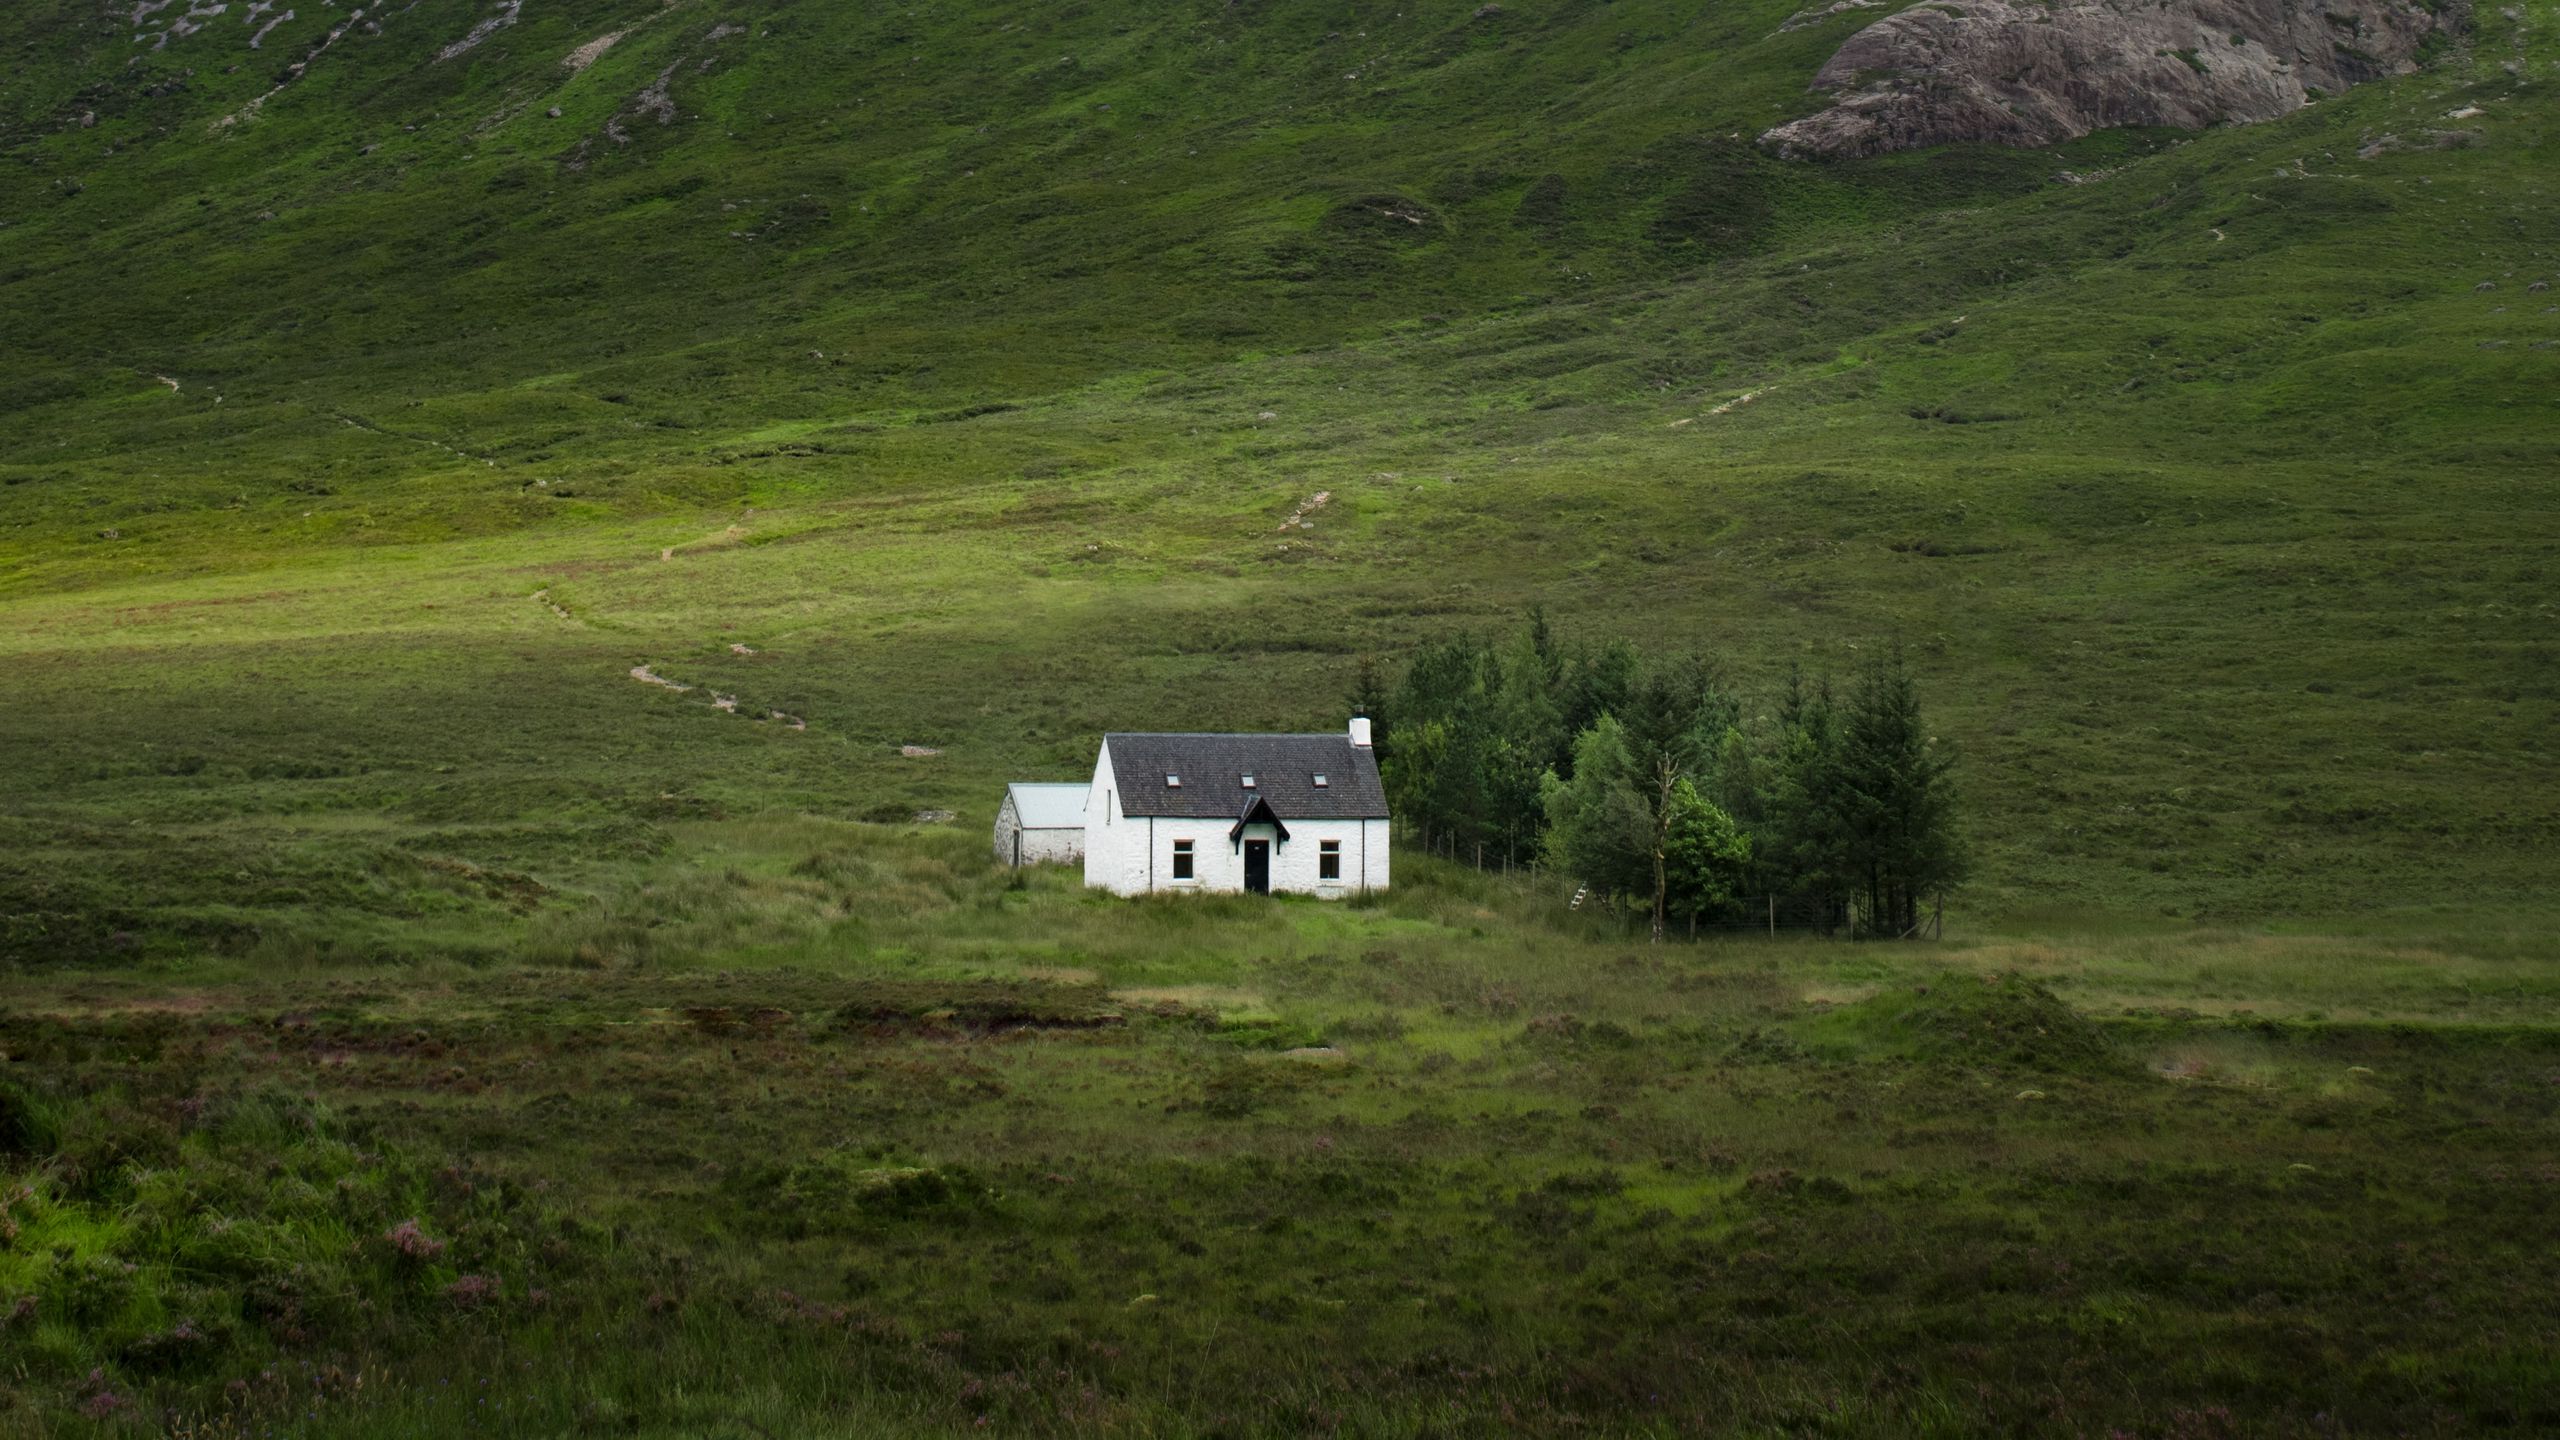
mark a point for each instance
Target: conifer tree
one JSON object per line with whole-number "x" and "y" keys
{"x": 1895, "y": 800}
{"x": 1803, "y": 844}
{"x": 1369, "y": 697}
{"x": 1528, "y": 740}
{"x": 1434, "y": 775}
{"x": 1597, "y": 683}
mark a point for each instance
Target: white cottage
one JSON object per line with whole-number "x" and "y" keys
{"x": 1300, "y": 814}
{"x": 1041, "y": 824}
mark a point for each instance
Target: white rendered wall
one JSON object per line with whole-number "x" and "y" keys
{"x": 1115, "y": 846}
{"x": 1134, "y": 855}
{"x": 1374, "y": 852}
{"x": 1217, "y": 863}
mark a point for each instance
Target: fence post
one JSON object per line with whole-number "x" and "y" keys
{"x": 1773, "y": 915}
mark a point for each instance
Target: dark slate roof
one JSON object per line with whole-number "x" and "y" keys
{"x": 1212, "y": 768}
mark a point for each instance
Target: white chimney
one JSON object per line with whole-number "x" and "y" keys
{"x": 1360, "y": 731}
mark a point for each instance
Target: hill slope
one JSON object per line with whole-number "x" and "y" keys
{"x": 961, "y": 364}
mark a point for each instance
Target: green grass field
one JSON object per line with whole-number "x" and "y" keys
{"x": 932, "y": 1150}
{"x": 941, "y": 377}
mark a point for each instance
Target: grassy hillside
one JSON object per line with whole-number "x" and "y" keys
{"x": 956, "y": 205}
{"x": 2209, "y": 491}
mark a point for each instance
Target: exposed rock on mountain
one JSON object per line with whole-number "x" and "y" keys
{"x": 2030, "y": 74}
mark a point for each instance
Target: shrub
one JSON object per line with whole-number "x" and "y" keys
{"x": 411, "y": 1243}
{"x": 1266, "y": 1034}
{"x": 470, "y": 1292}
{"x": 845, "y": 1186}
{"x": 28, "y": 1124}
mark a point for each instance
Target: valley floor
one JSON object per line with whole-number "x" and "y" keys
{"x": 1453, "y": 1161}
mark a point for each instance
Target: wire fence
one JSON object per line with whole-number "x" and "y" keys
{"x": 1768, "y": 915}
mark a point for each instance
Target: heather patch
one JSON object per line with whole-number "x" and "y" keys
{"x": 196, "y": 1240}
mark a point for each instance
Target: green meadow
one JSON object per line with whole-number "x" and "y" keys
{"x": 845, "y": 1132}
{"x": 419, "y": 1019}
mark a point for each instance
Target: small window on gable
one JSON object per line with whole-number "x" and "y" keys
{"x": 1248, "y": 782}
{"x": 1173, "y": 782}
{"x": 1320, "y": 782}
{"x": 1181, "y": 859}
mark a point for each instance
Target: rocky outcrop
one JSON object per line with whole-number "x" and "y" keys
{"x": 2030, "y": 74}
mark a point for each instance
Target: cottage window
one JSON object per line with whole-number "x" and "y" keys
{"x": 1328, "y": 859}
{"x": 1320, "y": 782}
{"x": 1181, "y": 859}
{"x": 1248, "y": 782}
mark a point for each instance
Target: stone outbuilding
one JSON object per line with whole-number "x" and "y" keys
{"x": 1041, "y": 824}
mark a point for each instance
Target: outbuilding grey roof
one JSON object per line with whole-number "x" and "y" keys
{"x": 1213, "y": 768}
{"x": 1043, "y": 805}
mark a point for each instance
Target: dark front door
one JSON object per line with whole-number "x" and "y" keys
{"x": 1257, "y": 867}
